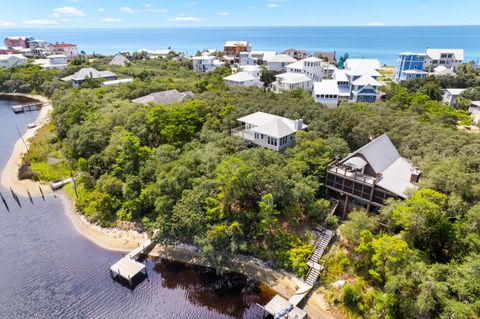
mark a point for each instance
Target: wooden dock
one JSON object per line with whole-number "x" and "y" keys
{"x": 128, "y": 267}
{"x": 28, "y": 107}
{"x": 281, "y": 308}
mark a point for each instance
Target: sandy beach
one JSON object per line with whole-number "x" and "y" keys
{"x": 121, "y": 240}
{"x": 9, "y": 177}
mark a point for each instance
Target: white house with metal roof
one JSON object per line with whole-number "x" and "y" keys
{"x": 279, "y": 62}
{"x": 255, "y": 57}
{"x": 290, "y": 81}
{"x": 9, "y": 60}
{"x": 267, "y": 130}
{"x": 254, "y": 70}
{"x": 244, "y": 79}
{"x": 79, "y": 77}
{"x": 56, "y": 61}
{"x": 449, "y": 58}
{"x": 312, "y": 67}
{"x": 206, "y": 63}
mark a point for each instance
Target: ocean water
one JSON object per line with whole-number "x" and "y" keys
{"x": 48, "y": 270}
{"x": 383, "y": 43}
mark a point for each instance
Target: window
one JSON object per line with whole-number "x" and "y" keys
{"x": 272, "y": 141}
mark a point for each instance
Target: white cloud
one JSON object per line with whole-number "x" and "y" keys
{"x": 128, "y": 10}
{"x": 374, "y": 24}
{"x": 223, "y": 13}
{"x": 4, "y": 23}
{"x": 191, "y": 4}
{"x": 68, "y": 11}
{"x": 272, "y": 5}
{"x": 189, "y": 19}
{"x": 41, "y": 22}
{"x": 148, "y": 5}
{"x": 112, "y": 20}
{"x": 101, "y": 10}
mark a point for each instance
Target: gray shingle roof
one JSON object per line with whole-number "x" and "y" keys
{"x": 164, "y": 97}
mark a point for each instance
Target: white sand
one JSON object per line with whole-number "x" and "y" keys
{"x": 9, "y": 177}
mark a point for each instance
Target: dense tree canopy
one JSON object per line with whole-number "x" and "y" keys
{"x": 176, "y": 168}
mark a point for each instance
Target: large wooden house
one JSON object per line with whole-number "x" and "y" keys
{"x": 371, "y": 175}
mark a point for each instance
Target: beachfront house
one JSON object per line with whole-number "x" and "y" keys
{"x": 244, "y": 79}
{"x": 450, "y": 95}
{"x": 255, "y": 57}
{"x": 119, "y": 60}
{"x": 296, "y": 54}
{"x": 410, "y": 66}
{"x": 232, "y": 50}
{"x": 371, "y": 175}
{"x": 82, "y": 75}
{"x": 290, "y": 81}
{"x": 9, "y": 60}
{"x": 449, "y": 58}
{"x": 312, "y": 67}
{"x": 267, "y": 130}
{"x": 279, "y": 62}
{"x": 164, "y": 97}
{"x": 206, "y": 63}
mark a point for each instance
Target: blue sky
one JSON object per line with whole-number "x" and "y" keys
{"x": 151, "y": 13}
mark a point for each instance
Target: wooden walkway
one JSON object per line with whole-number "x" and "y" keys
{"x": 128, "y": 267}
{"x": 20, "y": 108}
{"x": 281, "y": 308}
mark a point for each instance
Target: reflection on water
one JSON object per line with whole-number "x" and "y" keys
{"x": 48, "y": 270}
{"x": 230, "y": 294}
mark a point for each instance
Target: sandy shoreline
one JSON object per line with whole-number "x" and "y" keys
{"x": 122, "y": 240}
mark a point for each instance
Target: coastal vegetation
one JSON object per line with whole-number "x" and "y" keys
{"x": 175, "y": 168}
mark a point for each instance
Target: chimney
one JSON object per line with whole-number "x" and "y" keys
{"x": 298, "y": 124}
{"x": 415, "y": 177}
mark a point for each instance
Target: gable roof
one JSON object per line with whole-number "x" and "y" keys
{"x": 366, "y": 80}
{"x": 119, "y": 60}
{"x": 379, "y": 153}
{"x": 353, "y": 63}
{"x": 240, "y": 77}
{"x": 362, "y": 68}
{"x": 164, "y": 97}
{"x": 435, "y": 54}
{"x": 384, "y": 159}
{"x": 88, "y": 73}
{"x": 281, "y": 58}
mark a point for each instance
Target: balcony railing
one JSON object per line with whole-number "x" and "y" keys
{"x": 341, "y": 170}
{"x": 242, "y": 132}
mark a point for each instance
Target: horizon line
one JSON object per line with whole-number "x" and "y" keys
{"x": 231, "y": 26}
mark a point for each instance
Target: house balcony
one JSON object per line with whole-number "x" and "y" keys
{"x": 242, "y": 132}
{"x": 343, "y": 171}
